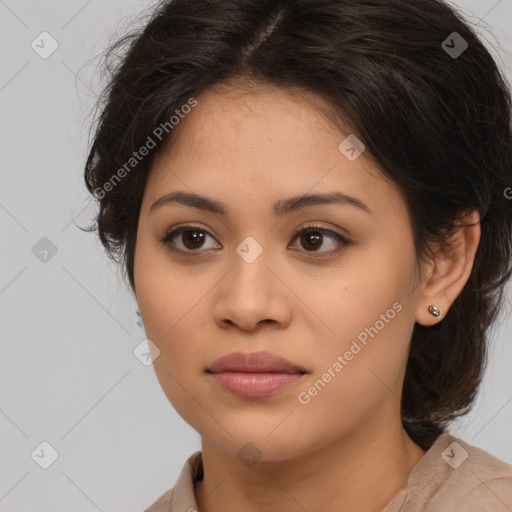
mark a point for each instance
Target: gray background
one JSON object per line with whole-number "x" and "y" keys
{"x": 68, "y": 373}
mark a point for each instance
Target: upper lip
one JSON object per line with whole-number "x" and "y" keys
{"x": 254, "y": 362}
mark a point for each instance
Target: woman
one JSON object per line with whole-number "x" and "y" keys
{"x": 309, "y": 200}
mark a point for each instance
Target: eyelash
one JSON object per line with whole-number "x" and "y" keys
{"x": 344, "y": 242}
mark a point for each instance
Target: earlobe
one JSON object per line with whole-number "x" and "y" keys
{"x": 450, "y": 271}
{"x": 430, "y": 315}
{"x": 434, "y": 310}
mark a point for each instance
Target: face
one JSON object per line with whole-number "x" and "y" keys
{"x": 328, "y": 286}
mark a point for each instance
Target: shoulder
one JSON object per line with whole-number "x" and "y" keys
{"x": 473, "y": 479}
{"x": 491, "y": 495}
{"x": 162, "y": 504}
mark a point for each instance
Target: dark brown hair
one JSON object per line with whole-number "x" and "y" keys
{"x": 438, "y": 124}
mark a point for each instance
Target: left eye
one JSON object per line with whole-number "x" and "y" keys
{"x": 311, "y": 238}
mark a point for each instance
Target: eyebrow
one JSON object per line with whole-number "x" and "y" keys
{"x": 281, "y": 207}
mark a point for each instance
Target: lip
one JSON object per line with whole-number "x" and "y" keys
{"x": 254, "y": 375}
{"x": 254, "y": 362}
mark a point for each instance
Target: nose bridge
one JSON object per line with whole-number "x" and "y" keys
{"x": 250, "y": 292}
{"x": 250, "y": 270}
{"x": 250, "y": 250}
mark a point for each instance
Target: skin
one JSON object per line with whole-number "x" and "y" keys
{"x": 346, "y": 449}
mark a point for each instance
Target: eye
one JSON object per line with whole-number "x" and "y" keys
{"x": 312, "y": 238}
{"x": 193, "y": 240}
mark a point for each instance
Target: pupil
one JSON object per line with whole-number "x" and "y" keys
{"x": 194, "y": 239}
{"x": 311, "y": 236}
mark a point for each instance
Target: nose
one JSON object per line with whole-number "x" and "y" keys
{"x": 252, "y": 295}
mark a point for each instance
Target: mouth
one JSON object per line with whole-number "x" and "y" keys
{"x": 254, "y": 375}
{"x": 255, "y": 362}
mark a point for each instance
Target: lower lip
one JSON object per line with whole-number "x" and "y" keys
{"x": 254, "y": 384}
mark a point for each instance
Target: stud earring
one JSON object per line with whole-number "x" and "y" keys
{"x": 434, "y": 310}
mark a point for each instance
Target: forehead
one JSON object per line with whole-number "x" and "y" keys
{"x": 255, "y": 119}
{"x": 270, "y": 142}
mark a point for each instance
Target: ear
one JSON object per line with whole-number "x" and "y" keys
{"x": 448, "y": 271}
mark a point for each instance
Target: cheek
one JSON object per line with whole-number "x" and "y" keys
{"x": 168, "y": 310}
{"x": 370, "y": 321}
{"x": 159, "y": 287}
{"x": 153, "y": 301}
{"x": 376, "y": 339}
{"x": 354, "y": 378}
{"x": 170, "y": 305}
{"x": 356, "y": 296}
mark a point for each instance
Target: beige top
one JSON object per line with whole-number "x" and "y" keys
{"x": 452, "y": 476}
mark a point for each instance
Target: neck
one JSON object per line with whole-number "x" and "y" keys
{"x": 360, "y": 472}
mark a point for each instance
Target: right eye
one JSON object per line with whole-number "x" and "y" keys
{"x": 192, "y": 238}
